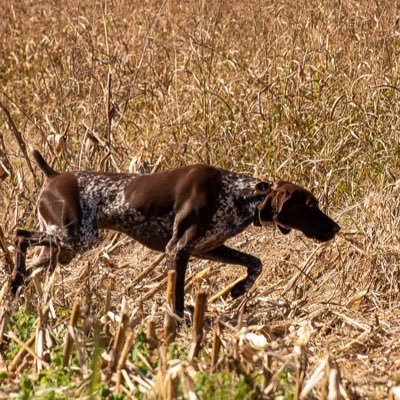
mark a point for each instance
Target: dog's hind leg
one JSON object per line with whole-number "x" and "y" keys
{"x": 55, "y": 248}
{"x": 19, "y": 274}
{"x": 23, "y": 240}
{"x": 50, "y": 256}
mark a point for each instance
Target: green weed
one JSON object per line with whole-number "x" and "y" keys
{"x": 222, "y": 386}
{"x": 21, "y": 323}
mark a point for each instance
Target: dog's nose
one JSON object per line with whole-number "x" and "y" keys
{"x": 336, "y": 228}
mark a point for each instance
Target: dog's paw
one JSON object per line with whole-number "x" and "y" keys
{"x": 239, "y": 289}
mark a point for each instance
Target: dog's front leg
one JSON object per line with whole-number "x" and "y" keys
{"x": 231, "y": 256}
{"x": 177, "y": 252}
{"x": 178, "y": 260}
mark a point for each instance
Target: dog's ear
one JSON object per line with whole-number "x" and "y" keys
{"x": 280, "y": 198}
{"x": 272, "y": 205}
{"x": 262, "y": 187}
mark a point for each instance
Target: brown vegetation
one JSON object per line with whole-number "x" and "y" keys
{"x": 306, "y": 91}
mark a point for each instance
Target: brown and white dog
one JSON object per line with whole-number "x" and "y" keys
{"x": 186, "y": 211}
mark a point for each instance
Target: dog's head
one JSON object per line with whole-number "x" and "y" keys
{"x": 289, "y": 206}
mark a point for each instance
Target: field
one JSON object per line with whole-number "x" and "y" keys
{"x": 306, "y": 91}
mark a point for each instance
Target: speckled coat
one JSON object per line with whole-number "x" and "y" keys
{"x": 186, "y": 211}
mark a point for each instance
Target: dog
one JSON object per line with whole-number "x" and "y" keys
{"x": 186, "y": 211}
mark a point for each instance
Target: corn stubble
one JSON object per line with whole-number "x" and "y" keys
{"x": 306, "y": 91}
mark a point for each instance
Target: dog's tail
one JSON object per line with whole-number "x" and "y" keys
{"x": 47, "y": 170}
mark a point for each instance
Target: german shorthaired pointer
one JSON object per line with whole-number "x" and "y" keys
{"x": 186, "y": 211}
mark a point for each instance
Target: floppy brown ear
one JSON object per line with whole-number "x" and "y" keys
{"x": 265, "y": 211}
{"x": 280, "y": 198}
{"x": 272, "y": 205}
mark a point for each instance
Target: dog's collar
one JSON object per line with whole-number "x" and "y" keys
{"x": 256, "y": 214}
{"x": 273, "y": 217}
{"x": 273, "y": 222}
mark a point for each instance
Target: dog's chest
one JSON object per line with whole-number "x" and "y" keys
{"x": 234, "y": 211}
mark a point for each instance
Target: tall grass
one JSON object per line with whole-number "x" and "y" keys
{"x": 307, "y": 91}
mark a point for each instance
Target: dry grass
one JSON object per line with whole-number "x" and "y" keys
{"x": 307, "y": 91}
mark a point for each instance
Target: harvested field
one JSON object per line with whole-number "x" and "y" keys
{"x": 305, "y": 91}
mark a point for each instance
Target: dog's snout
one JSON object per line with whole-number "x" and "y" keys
{"x": 336, "y": 228}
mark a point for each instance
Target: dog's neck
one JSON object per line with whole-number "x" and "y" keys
{"x": 243, "y": 190}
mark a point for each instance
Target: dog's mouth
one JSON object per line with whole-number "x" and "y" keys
{"x": 284, "y": 229}
{"x": 325, "y": 237}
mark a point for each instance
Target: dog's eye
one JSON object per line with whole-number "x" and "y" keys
{"x": 312, "y": 204}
